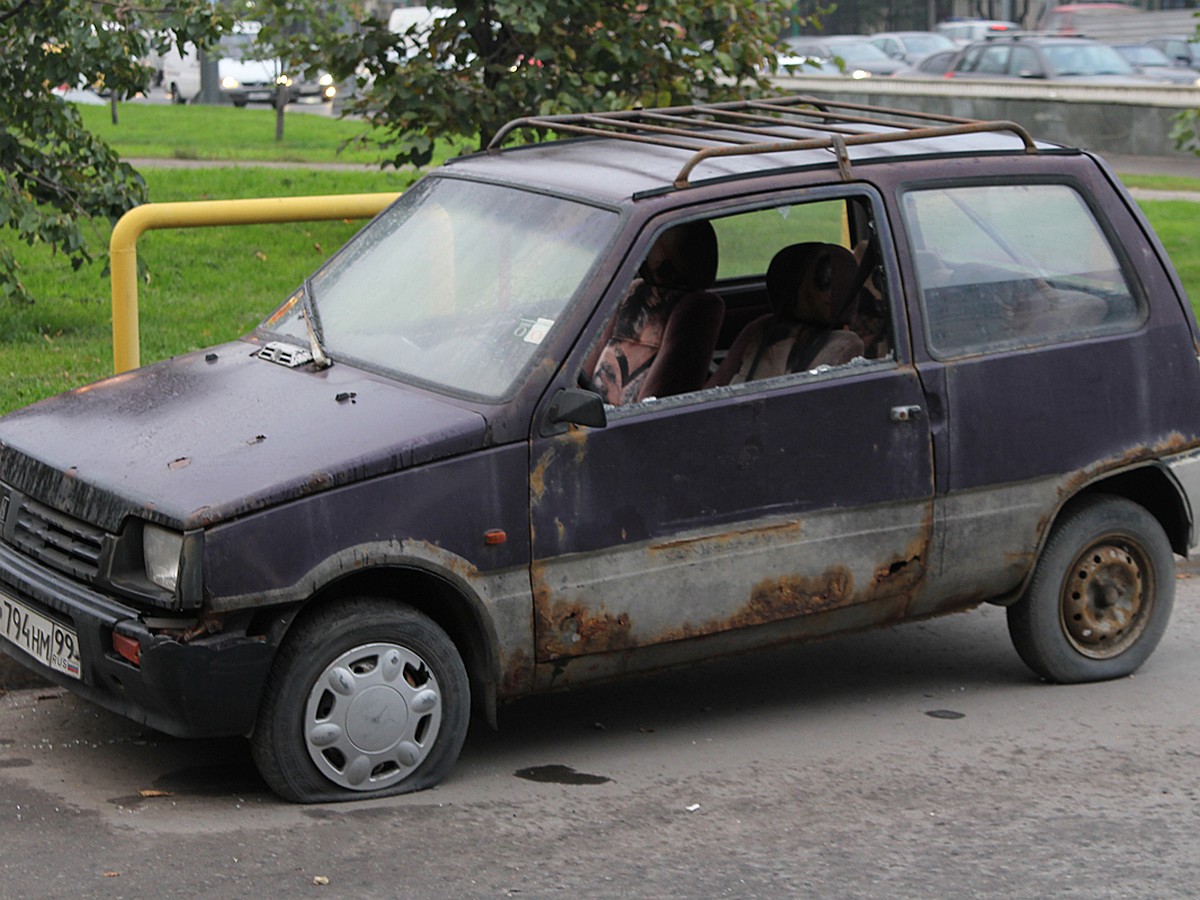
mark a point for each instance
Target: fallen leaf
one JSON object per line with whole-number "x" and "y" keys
{"x": 153, "y": 793}
{"x": 260, "y": 255}
{"x": 321, "y": 879}
{"x": 112, "y": 874}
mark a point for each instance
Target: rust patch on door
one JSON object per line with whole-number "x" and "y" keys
{"x": 794, "y": 595}
{"x": 567, "y": 628}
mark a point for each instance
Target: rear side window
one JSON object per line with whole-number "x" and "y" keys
{"x": 1013, "y": 265}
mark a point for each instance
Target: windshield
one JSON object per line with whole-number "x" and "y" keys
{"x": 857, "y": 53}
{"x": 237, "y": 46}
{"x": 456, "y": 285}
{"x": 1086, "y": 59}
{"x": 1145, "y": 55}
{"x": 922, "y": 44}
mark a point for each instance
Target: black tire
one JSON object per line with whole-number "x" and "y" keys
{"x": 366, "y": 698}
{"x": 1101, "y": 595}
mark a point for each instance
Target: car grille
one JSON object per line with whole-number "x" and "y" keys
{"x": 58, "y": 540}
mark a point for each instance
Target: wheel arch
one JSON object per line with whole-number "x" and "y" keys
{"x": 453, "y": 607}
{"x": 1150, "y": 485}
{"x": 1154, "y": 488}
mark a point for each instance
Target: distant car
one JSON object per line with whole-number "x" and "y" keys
{"x": 807, "y": 67}
{"x": 964, "y": 31}
{"x": 911, "y": 46}
{"x": 1050, "y": 58}
{"x": 243, "y": 75}
{"x": 246, "y": 77}
{"x": 1075, "y": 18}
{"x": 1153, "y": 63}
{"x": 1180, "y": 49}
{"x": 859, "y": 57}
{"x": 935, "y": 65}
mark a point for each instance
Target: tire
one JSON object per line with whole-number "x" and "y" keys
{"x": 1101, "y": 595}
{"x": 366, "y": 698}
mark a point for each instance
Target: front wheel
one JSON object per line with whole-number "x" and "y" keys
{"x": 1101, "y": 595}
{"x": 367, "y": 698}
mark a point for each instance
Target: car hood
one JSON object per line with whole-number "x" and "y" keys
{"x": 208, "y": 436}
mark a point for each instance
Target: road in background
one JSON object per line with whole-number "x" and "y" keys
{"x": 918, "y": 761}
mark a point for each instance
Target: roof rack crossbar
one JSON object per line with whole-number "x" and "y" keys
{"x": 643, "y": 124}
{"x": 755, "y": 123}
{"x": 738, "y": 128}
{"x": 838, "y": 143}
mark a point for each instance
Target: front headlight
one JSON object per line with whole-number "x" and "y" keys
{"x": 325, "y": 80}
{"x": 230, "y": 83}
{"x": 161, "y": 551}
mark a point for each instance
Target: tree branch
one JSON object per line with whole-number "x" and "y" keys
{"x": 15, "y": 11}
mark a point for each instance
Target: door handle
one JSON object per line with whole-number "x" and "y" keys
{"x": 905, "y": 413}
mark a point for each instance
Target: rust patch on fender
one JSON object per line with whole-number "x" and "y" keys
{"x": 516, "y": 675}
{"x": 576, "y": 438}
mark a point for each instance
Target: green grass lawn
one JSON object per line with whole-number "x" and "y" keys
{"x": 201, "y": 285}
{"x": 207, "y": 285}
{"x": 224, "y": 133}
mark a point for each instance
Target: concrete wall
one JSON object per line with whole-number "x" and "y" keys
{"x": 1119, "y": 120}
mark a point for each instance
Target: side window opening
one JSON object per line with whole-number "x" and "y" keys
{"x": 761, "y": 294}
{"x": 992, "y": 275}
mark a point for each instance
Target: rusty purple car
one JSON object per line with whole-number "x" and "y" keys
{"x": 674, "y": 384}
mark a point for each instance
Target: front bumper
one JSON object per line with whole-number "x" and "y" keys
{"x": 207, "y": 687}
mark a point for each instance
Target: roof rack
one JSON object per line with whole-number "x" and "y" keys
{"x": 745, "y": 127}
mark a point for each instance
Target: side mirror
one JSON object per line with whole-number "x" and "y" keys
{"x": 574, "y": 406}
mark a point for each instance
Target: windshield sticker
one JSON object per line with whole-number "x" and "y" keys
{"x": 534, "y": 330}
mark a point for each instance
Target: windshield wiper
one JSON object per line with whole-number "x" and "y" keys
{"x": 320, "y": 358}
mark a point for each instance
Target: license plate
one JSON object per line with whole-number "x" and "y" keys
{"x": 57, "y": 646}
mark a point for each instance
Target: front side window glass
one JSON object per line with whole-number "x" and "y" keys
{"x": 748, "y": 241}
{"x": 455, "y": 286}
{"x": 747, "y": 296}
{"x": 1013, "y": 265}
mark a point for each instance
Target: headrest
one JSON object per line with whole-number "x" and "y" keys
{"x": 684, "y": 258}
{"x": 811, "y": 283}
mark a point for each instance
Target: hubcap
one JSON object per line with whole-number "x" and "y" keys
{"x": 1106, "y": 599}
{"x": 372, "y": 717}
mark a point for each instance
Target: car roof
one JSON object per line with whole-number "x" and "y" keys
{"x": 1040, "y": 39}
{"x": 615, "y": 158}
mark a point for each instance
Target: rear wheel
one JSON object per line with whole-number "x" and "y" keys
{"x": 366, "y": 698}
{"x": 1101, "y": 595}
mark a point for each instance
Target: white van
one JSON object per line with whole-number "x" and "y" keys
{"x": 242, "y": 78}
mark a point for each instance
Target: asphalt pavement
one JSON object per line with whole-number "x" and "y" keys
{"x": 910, "y": 762}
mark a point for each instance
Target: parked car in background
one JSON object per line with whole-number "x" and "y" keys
{"x": 858, "y": 57}
{"x": 1153, "y": 63}
{"x": 935, "y": 65}
{"x": 1050, "y": 58}
{"x": 1182, "y": 50}
{"x": 964, "y": 31}
{"x": 1082, "y": 18}
{"x": 911, "y": 46}
{"x": 244, "y": 74}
